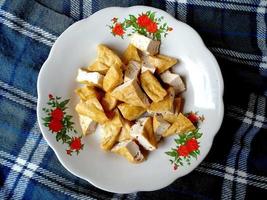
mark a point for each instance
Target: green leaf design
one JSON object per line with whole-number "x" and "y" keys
{"x": 152, "y": 16}
{"x": 132, "y": 18}
{"x": 63, "y": 103}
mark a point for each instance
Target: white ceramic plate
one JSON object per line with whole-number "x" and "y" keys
{"x": 76, "y": 48}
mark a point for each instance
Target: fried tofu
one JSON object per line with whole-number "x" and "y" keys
{"x": 111, "y": 131}
{"x": 178, "y": 105}
{"x": 165, "y": 106}
{"x": 131, "y": 93}
{"x": 87, "y": 92}
{"x": 161, "y": 62}
{"x": 145, "y": 44}
{"x": 113, "y": 78}
{"x": 125, "y": 131}
{"x": 97, "y": 66}
{"x": 171, "y": 118}
{"x": 108, "y": 57}
{"x": 180, "y": 126}
{"x": 88, "y": 126}
{"x": 159, "y": 126}
{"x": 173, "y": 80}
{"x": 92, "y": 109}
{"x": 152, "y": 87}
{"x": 129, "y": 150}
{"x": 142, "y": 131}
{"x": 132, "y": 71}
{"x": 147, "y": 67}
{"x": 108, "y": 102}
{"x": 90, "y": 78}
{"x": 131, "y": 53}
{"x": 131, "y": 112}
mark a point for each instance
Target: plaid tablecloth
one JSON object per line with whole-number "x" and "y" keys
{"x": 234, "y": 30}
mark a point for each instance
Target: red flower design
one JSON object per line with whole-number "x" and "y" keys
{"x": 152, "y": 27}
{"x": 183, "y": 151}
{"x": 118, "y": 30}
{"x": 69, "y": 151}
{"x": 50, "y": 96}
{"x": 57, "y": 114}
{"x": 143, "y": 20}
{"x": 55, "y": 125}
{"x": 75, "y": 144}
{"x": 193, "y": 117}
{"x": 175, "y": 167}
{"x": 192, "y": 145}
{"x": 114, "y": 20}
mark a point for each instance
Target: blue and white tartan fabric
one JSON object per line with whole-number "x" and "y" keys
{"x": 234, "y": 30}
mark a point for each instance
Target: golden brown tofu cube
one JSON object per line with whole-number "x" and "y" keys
{"x": 108, "y": 102}
{"x": 107, "y": 56}
{"x": 97, "y": 66}
{"x": 125, "y": 131}
{"x": 178, "y": 105}
{"x": 165, "y": 106}
{"x": 88, "y": 126}
{"x": 162, "y": 62}
{"x": 111, "y": 131}
{"x": 180, "y": 126}
{"x": 152, "y": 86}
{"x": 131, "y": 93}
{"x": 113, "y": 78}
{"x": 87, "y": 92}
{"x": 131, "y": 112}
{"x": 131, "y": 53}
{"x": 93, "y": 109}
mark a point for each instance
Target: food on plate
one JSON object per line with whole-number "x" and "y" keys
{"x": 161, "y": 62}
{"x": 131, "y": 112}
{"x": 132, "y": 71}
{"x": 107, "y": 56}
{"x": 174, "y": 80}
{"x": 93, "y": 109}
{"x": 108, "y": 102}
{"x": 111, "y": 131}
{"x": 136, "y": 100}
{"x": 130, "y": 150}
{"x": 98, "y": 66}
{"x": 181, "y": 125}
{"x": 165, "y": 106}
{"x": 90, "y": 78}
{"x": 145, "y": 44}
{"x": 130, "y": 54}
{"x": 88, "y": 125}
{"x": 152, "y": 86}
{"x": 125, "y": 131}
{"x": 113, "y": 78}
{"x": 130, "y": 92}
{"x": 159, "y": 126}
{"x": 142, "y": 131}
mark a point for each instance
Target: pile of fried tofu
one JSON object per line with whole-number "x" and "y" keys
{"x": 135, "y": 99}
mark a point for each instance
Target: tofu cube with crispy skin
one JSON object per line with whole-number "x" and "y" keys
{"x": 97, "y": 66}
{"x": 142, "y": 131}
{"x": 159, "y": 126}
{"x": 129, "y": 150}
{"x": 146, "y": 66}
{"x": 90, "y": 78}
{"x": 173, "y": 80}
{"x": 125, "y": 131}
{"x": 113, "y": 78}
{"x": 161, "y": 62}
{"x": 132, "y": 71}
{"x": 93, "y": 109}
{"x": 180, "y": 126}
{"x": 111, "y": 131}
{"x": 152, "y": 86}
{"x": 178, "y": 105}
{"x": 108, "y": 57}
{"x": 131, "y": 53}
{"x": 87, "y": 124}
{"x": 131, "y": 93}
{"x": 108, "y": 102}
{"x": 165, "y": 106}
{"x": 171, "y": 118}
{"x": 87, "y": 92}
{"x": 145, "y": 44}
{"x": 131, "y": 112}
